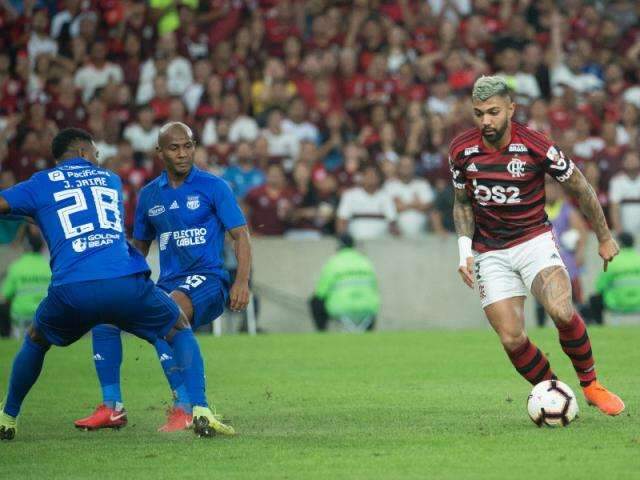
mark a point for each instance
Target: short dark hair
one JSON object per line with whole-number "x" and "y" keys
{"x": 345, "y": 241}
{"x": 626, "y": 240}
{"x": 373, "y": 166}
{"x": 67, "y": 137}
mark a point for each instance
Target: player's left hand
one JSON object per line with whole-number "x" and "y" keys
{"x": 607, "y": 250}
{"x": 239, "y": 296}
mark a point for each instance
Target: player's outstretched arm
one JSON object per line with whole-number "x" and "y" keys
{"x": 239, "y": 294}
{"x": 578, "y": 187}
{"x": 465, "y": 226}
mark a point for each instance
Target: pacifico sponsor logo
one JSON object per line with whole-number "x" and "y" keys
{"x": 89, "y": 172}
{"x": 56, "y": 176}
{"x": 183, "y": 238}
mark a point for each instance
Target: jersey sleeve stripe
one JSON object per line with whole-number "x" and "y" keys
{"x": 537, "y": 141}
{"x": 462, "y": 139}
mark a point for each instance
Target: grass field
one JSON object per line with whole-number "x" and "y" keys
{"x": 386, "y": 405}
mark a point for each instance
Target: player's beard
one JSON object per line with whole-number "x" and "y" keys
{"x": 496, "y": 135}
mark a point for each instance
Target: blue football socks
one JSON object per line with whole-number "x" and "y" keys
{"x": 188, "y": 360}
{"x": 107, "y": 356}
{"x": 27, "y": 366}
{"x": 173, "y": 374}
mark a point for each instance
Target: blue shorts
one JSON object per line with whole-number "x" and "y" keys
{"x": 132, "y": 303}
{"x": 208, "y": 294}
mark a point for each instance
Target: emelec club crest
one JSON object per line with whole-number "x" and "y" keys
{"x": 516, "y": 167}
{"x": 193, "y": 202}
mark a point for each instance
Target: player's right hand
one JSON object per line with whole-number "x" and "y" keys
{"x": 239, "y": 296}
{"x": 466, "y": 272}
{"x": 607, "y": 250}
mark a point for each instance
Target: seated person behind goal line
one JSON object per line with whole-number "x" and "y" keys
{"x": 26, "y": 284}
{"x": 347, "y": 290}
{"x": 618, "y": 289}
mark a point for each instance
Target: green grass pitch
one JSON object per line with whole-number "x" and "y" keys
{"x": 431, "y": 404}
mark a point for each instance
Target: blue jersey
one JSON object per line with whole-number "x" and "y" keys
{"x": 188, "y": 222}
{"x": 78, "y": 207}
{"x": 242, "y": 181}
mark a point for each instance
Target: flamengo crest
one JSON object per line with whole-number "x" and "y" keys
{"x": 516, "y": 167}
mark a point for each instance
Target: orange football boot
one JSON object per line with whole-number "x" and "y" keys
{"x": 598, "y": 396}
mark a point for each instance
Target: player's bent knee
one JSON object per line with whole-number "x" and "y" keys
{"x": 181, "y": 324}
{"x": 511, "y": 341}
{"x": 184, "y": 303}
{"x": 562, "y": 315}
{"x": 37, "y": 338}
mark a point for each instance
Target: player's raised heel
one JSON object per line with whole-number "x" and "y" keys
{"x": 607, "y": 402}
{"x": 207, "y": 424}
{"x": 7, "y": 433}
{"x": 8, "y": 426}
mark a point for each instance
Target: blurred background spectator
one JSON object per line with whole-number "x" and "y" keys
{"x": 368, "y": 211}
{"x": 347, "y": 290}
{"x": 321, "y": 88}
{"x": 624, "y": 196}
{"x": 617, "y": 289}
{"x": 26, "y": 284}
{"x": 413, "y": 198}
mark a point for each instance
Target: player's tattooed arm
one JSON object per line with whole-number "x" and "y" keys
{"x": 142, "y": 246}
{"x": 578, "y": 187}
{"x": 465, "y": 227}
{"x": 463, "y": 214}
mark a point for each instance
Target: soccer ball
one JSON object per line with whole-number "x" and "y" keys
{"x": 552, "y": 403}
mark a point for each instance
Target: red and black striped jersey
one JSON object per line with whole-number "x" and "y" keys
{"x": 506, "y": 186}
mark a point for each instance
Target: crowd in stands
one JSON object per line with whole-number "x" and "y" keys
{"x": 325, "y": 116}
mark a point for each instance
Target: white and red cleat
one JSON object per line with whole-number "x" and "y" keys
{"x": 177, "y": 420}
{"x": 103, "y": 417}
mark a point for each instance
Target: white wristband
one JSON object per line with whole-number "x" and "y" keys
{"x": 464, "y": 248}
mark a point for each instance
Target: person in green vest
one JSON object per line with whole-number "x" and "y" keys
{"x": 10, "y": 229}
{"x": 26, "y": 283}
{"x": 347, "y": 290}
{"x": 618, "y": 289}
{"x": 166, "y": 14}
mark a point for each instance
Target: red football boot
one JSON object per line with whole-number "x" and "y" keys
{"x": 103, "y": 417}
{"x": 177, "y": 420}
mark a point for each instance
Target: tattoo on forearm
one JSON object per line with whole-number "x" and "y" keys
{"x": 587, "y": 199}
{"x": 463, "y": 215}
{"x": 552, "y": 289}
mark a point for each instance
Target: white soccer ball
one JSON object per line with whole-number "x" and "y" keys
{"x": 552, "y": 403}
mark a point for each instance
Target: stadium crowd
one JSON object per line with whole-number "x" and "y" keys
{"x": 325, "y": 116}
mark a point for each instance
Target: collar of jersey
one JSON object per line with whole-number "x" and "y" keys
{"x": 164, "y": 180}
{"x": 75, "y": 161}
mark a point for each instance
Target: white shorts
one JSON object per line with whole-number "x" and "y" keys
{"x": 510, "y": 272}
